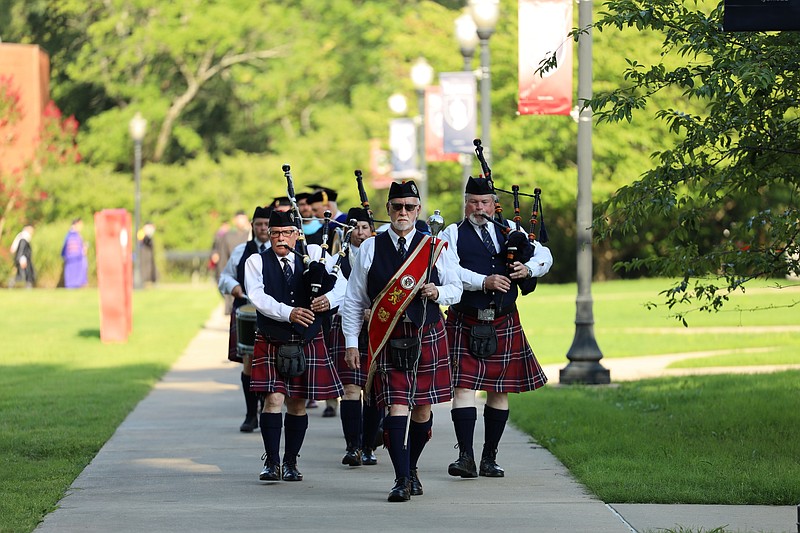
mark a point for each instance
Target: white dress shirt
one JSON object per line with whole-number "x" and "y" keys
{"x": 356, "y": 299}
{"x": 227, "y": 279}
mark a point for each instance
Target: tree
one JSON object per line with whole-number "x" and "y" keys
{"x": 729, "y": 183}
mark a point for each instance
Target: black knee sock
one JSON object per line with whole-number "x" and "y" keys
{"x": 370, "y": 424}
{"x": 350, "y": 412}
{"x": 418, "y": 435}
{"x": 271, "y": 425}
{"x": 250, "y": 398}
{"x": 295, "y": 427}
{"x": 395, "y": 427}
{"x": 464, "y": 419}
{"x": 494, "y": 421}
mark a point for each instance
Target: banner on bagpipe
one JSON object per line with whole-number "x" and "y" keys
{"x": 543, "y": 29}
{"x": 434, "y": 126}
{"x": 459, "y": 99}
{"x": 761, "y": 15}
{"x": 403, "y": 144}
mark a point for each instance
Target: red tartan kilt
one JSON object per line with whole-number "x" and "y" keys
{"x": 320, "y": 381}
{"x": 336, "y": 347}
{"x": 513, "y": 368}
{"x": 233, "y": 355}
{"x": 434, "y": 383}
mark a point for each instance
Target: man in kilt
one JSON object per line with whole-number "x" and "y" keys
{"x": 360, "y": 419}
{"x": 231, "y": 281}
{"x": 487, "y": 314}
{"x": 409, "y": 368}
{"x": 290, "y": 360}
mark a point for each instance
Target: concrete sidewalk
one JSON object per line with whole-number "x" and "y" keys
{"x": 179, "y": 463}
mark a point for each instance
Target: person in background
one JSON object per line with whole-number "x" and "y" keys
{"x": 239, "y": 234}
{"x": 488, "y": 346}
{"x": 23, "y": 257}
{"x": 147, "y": 261}
{"x": 74, "y": 253}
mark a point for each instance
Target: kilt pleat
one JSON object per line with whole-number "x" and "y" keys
{"x": 320, "y": 381}
{"x": 433, "y": 377}
{"x": 514, "y": 368}
{"x": 336, "y": 347}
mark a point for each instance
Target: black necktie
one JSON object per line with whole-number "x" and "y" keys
{"x": 401, "y": 247}
{"x": 287, "y": 270}
{"x": 262, "y": 248}
{"x": 487, "y": 240}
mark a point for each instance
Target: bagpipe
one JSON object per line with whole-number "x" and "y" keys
{"x": 316, "y": 278}
{"x": 519, "y": 245}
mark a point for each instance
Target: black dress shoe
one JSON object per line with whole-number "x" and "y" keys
{"x": 401, "y": 492}
{"x": 352, "y": 457}
{"x": 489, "y": 468}
{"x": 250, "y": 423}
{"x": 271, "y": 472}
{"x": 464, "y": 466}
{"x": 416, "y": 484}
{"x": 368, "y": 457}
{"x": 329, "y": 412}
{"x": 291, "y": 473}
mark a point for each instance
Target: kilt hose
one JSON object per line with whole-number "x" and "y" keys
{"x": 513, "y": 368}
{"x": 337, "y": 350}
{"x": 434, "y": 385}
{"x": 320, "y": 381}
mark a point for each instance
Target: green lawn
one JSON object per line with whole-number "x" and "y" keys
{"x": 714, "y": 439}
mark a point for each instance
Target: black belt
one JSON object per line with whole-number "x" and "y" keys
{"x": 473, "y": 311}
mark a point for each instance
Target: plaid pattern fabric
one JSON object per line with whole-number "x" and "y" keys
{"x": 513, "y": 368}
{"x": 337, "y": 350}
{"x": 232, "y": 340}
{"x": 434, "y": 385}
{"x": 319, "y": 382}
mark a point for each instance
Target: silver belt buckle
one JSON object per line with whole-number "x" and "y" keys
{"x": 486, "y": 314}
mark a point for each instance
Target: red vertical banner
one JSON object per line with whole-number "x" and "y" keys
{"x": 114, "y": 247}
{"x": 434, "y": 126}
{"x": 543, "y": 29}
{"x": 379, "y": 165}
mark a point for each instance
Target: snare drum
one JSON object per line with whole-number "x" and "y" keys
{"x": 245, "y": 330}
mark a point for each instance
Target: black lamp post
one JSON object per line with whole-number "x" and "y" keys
{"x": 137, "y": 128}
{"x": 421, "y": 77}
{"x": 485, "y": 14}
{"x": 467, "y": 37}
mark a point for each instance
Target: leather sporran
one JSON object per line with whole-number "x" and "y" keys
{"x": 404, "y": 353}
{"x": 290, "y": 361}
{"x": 482, "y": 340}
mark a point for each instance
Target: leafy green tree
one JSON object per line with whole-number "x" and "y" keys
{"x": 729, "y": 183}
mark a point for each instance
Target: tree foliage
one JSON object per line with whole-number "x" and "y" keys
{"x": 729, "y": 183}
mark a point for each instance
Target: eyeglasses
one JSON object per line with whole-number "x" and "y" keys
{"x": 397, "y": 206}
{"x": 282, "y": 233}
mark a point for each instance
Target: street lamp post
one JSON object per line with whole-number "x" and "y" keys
{"x": 467, "y": 37}
{"x": 137, "y": 128}
{"x": 421, "y": 77}
{"x": 584, "y": 354}
{"x": 485, "y": 14}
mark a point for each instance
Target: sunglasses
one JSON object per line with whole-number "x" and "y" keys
{"x": 282, "y": 233}
{"x": 397, "y": 206}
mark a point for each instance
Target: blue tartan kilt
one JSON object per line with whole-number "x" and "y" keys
{"x": 433, "y": 379}
{"x": 513, "y": 368}
{"x": 320, "y": 381}
{"x": 336, "y": 348}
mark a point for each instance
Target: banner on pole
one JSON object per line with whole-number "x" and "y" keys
{"x": 543, "y": 29}
{"x": 403, "y": 144}
{"x": 760, "y": 15}
{"x": 379, "y": 166}
{"x": 434, "y": 126}
{"x": 459, "y": 96}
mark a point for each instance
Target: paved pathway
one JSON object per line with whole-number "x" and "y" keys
{"x": 179, "y": 463}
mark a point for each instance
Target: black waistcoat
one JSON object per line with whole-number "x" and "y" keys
{"x": 384, "y": 265}
{"x": 249, "y": 249}
{"x": 474, "y": 256}
{"x": 294, "y": 295}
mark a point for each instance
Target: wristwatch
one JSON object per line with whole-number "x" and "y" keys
{"x": 530, "y": 272}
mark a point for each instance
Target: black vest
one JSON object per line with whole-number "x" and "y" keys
{"x": 294, "y": 295}
{"x": 345, "y": 264}
{"x": 474, "y": 256}
{"x": 384, "y": 265}
{"x": 249, "y": 249}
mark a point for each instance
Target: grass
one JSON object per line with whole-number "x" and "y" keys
{"x": 63, "y": 392}
{"x": 714, "y": 439}
{"x": 726, "y": 439}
